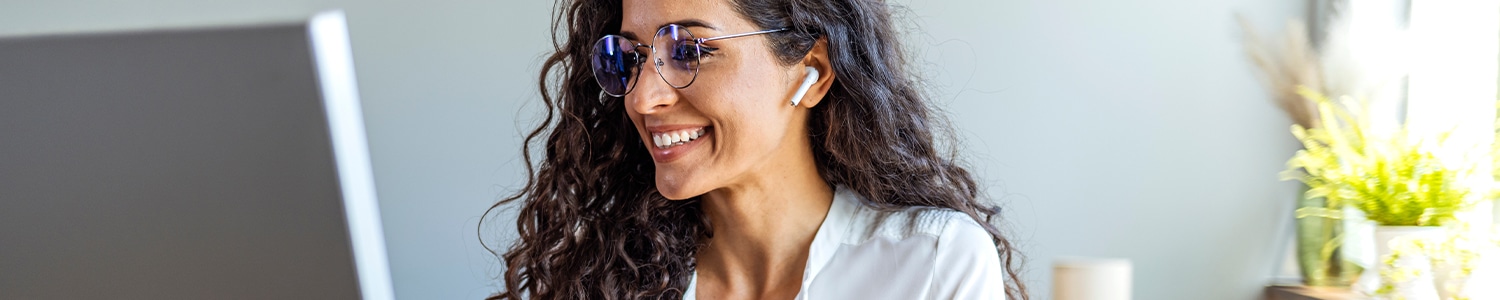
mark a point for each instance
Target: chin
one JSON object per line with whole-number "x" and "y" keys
{"x": 675, "y": 193}
{"x": 676, "y": 189}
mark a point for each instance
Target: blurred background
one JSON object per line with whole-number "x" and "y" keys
{"x": 1125, "y": 129}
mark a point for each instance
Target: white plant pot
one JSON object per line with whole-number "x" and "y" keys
{"x": 1417, "y": 280}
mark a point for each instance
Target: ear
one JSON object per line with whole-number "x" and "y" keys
{"x": 817, "y": 58}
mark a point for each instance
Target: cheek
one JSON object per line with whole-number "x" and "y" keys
{"x": 750, "y": 122}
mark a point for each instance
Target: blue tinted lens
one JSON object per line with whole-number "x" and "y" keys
{"x": 615, "y": 64}
{"x": 678, "y": 51}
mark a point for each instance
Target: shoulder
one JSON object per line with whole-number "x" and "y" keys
{"x": 951, "y": 254}
{"x": 945, "y": 230}
{"x": 932, "y": 223}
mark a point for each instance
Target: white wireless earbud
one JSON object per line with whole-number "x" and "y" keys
{"x": 812, "y": 76}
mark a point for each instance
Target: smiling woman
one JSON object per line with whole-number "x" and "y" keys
{"x": 744, "y": 149}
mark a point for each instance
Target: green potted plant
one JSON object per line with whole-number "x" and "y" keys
{"x": 1394, "y": 179}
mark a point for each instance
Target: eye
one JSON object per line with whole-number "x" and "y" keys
{"x": 684, "y": 52}
{"x": 636, "y": 58}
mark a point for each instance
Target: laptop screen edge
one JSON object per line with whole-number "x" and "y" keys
{"x": 335, "y": 67}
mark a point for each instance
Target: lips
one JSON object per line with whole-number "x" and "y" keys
{"x": 671, "y": 142}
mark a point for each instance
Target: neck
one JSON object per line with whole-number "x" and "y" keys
{"x": 764, "y": 227}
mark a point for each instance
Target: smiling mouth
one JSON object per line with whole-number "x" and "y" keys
{"x": 666, "y": 140}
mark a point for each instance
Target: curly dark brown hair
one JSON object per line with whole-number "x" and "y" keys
{"x": 591, "y": 223}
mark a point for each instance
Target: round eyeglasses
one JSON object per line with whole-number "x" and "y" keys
{"x": 617, "y": 60}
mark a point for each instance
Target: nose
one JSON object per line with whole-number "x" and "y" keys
{"x": 652, "y": 94}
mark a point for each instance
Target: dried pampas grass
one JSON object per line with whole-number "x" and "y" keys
{"x": 1285, "y": 66}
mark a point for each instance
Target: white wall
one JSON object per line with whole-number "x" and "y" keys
{"x": 1116, "y": 128}
{"x": 1131, "y": 129}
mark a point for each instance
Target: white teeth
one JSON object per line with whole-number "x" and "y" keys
{"x": 671, "y": 139}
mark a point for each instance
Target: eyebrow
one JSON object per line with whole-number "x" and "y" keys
{"x": 684, "y": 23}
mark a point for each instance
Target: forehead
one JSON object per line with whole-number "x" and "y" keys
{"x": 641, "y": 18}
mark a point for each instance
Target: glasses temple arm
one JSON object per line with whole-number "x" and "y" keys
{"x": 741, "y": 34}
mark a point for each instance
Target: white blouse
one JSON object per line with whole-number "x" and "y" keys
{"x": 858, "y": 254}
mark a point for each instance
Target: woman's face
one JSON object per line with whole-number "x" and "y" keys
{"x": 738, "y": 105}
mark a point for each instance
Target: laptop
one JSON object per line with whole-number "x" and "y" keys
{"x": 205, "y": 163}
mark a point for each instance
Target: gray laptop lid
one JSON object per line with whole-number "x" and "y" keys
{"x": 221, "y": 163}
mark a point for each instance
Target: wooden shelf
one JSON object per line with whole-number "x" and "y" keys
{"x": 1297, "y": 292}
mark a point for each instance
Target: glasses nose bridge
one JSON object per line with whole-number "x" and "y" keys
{"x": 650, "y": 59}
{"x": 652, "y": 92}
